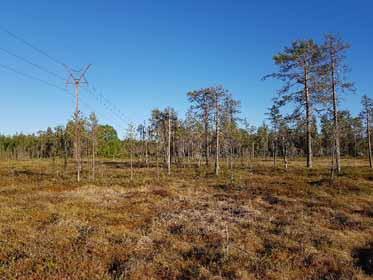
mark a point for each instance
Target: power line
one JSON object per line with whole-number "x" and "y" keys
{"x": 107, "y": 104}
{"x": 11, "y": 34}
{"x": 114, "y": 110}
{"x": 9, "y": 68}
{"x": 42, "y": 68}
{"x": 85, "y": 104}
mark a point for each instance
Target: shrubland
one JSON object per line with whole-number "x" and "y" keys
{"x": 254, "y": 222}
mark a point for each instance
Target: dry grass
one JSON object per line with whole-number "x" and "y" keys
{"x": 263, "y": 224}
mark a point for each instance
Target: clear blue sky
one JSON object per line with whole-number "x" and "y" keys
{"x": 148, "y": 54}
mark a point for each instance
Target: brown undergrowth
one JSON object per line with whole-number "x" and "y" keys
{"x": 259, "y": 223}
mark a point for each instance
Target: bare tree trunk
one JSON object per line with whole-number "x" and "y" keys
{"x": 64, "y": 155}
{"x": 336, "y": 123}
{"x": 252, "y": 150}
{"x": 369, "y": 140}
{"x": 157, "y": 158}
{"x": 241, "y": 155}
{"x": 199, "y": 155}
{"x": 206, "y": 141}
{"x": 217, "y": 167}
{"x": 285, "y": 153}
{"x": 230, "y": 155}
{"x": 147, "y": 148}
{"x": 355, "y": 145}
{"x": 146, "y": 154}
{"x": 274, "y": 145}
{"x": 131, "y": 162}
{"x": 332, "y": 170}
{"x": 169, "y": 145}
{"x": 93, "y": 157}
{"x": 308, "y": 120}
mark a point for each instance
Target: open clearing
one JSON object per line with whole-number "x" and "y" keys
{"x": 260, "y": 224}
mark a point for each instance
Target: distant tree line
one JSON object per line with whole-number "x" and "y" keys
{"x": 304, "y": 121}
{"x": 194, "y": 138}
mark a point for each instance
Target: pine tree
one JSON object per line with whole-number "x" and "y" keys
{"x": 333, "y": 73}
{"x": 298, "y": 69}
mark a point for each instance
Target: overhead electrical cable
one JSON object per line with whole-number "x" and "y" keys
{"x": 20, "y": 39}
{"x": 101, "y": 99}
{"x": 42, "y": 68}
{"x": 11, "y": 69}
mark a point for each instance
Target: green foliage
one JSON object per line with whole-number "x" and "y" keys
{"x": 109, "y": 144}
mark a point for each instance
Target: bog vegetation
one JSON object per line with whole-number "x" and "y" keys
{"x": 203, "y": 196}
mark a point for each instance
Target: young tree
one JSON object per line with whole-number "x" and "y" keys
{"x": 333, "y": 72}
{"x": 218, "y": 94}
{"x": 202, "y": 106}
{"x": 196, "y": 135}
{"x": 143, "y": 132}
{"x": 366, "y": 114}
{"x": 163, "y": 126}
{"x": 131, "y": 137}
{"x": 284, "y": 135}
{"x": 358, "y": 134}
{"x": 231, "y": 108}
{"x": 298, "y": 68}
{"x": 275, "y": 118}
{"x": 262, "y": 137}
{"x": 169, "y": 141}
{"x": 109, "y": 144}
{"x": 93, "y": 124}
{"x": 251, "y": 135}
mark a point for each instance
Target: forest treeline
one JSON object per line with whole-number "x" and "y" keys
{"x": 304, "y": 121}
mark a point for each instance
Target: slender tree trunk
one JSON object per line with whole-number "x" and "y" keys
{"x": 146, "y": 153}
{"x": 94, "y": 157}
{"x": 231, "y": 159}
{"x": 285, "y": 153}
{"x": 131, "y": 162}
{"x": 252, "y": 150}
{"x": 217, "y": 167}
{"x": 335, "y": 117}
{"x": 241, "y": 155}
{"x": 157, "y": 157}
{"x": 65, "y": 155}
{"x": 369, "y": 139}
{"x": 332, "y": 170}
{"x": 169, "y": 145}
{"x": 206, "y": 140}
{"x": 274, "y": 145}
{"x": 308, "y": 120}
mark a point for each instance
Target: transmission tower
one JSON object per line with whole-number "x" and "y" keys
{"x": 77, "y": 78}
